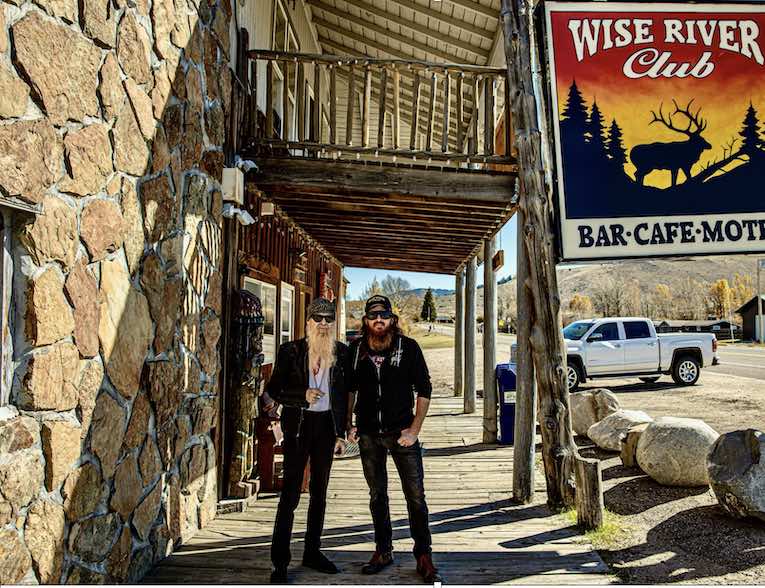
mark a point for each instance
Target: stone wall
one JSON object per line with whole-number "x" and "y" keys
{"x": 112, "y": 117}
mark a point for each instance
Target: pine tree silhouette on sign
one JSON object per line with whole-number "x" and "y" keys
{"x": 575, "y": 111}
{"x": 616, "y": 151}
{"x": 595, "y": 130}
{"x": 751, "y": 142}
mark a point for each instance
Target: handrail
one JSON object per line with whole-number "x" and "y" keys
{"x": 450, "y": 109}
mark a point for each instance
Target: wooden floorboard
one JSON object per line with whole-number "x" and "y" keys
{"x": 479, "y": 535}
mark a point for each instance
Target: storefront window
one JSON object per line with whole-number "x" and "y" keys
{"x": 267, "y": 294}
{"x": 287, "y": 313}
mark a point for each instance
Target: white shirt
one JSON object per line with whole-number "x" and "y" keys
{"x": 319, "y": 380}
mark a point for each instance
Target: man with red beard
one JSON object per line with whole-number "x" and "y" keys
{"x": 311, "y": 380}
{"x": 388, "y": 369}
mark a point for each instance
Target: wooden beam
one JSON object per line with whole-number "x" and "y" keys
{"x": 470, "y": 328}
{"x": 446, "y": 113}
{"x": 459, "y": 331}
{"x": 431, "y": 111}
{"x": 367, "y": 25}
{"x": 332, "y": 104}
{"x": 270, "y": 99}
{"x": 307, "y": 206}
{"x": 366, "y": 103}
{"x": 432, "y": 33}
{"x": 415, "y": 111}
{"x": 381, "y": 109}
{"x": 301, "y": 175}
{"x": 363, "y": 205}
{"x": 396, "y": 108}
{"x": 379, "y": 228}
{"x": 526, "y": 394}
{"x": 489, "y": 344}
{"x": 300, "y": 99}
{"x": 457, "y": 23}
{"x": 350, "y": 106}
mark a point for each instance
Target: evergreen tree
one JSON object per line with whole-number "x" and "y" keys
{"x": 750, "y": 134}
{"x": 575, "y": 111}
{"x": 595, "y": 129}
{"x": 616, "y": 150}
{"x": 428, "y": 312}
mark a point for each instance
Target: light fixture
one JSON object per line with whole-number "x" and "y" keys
{"x": 266, "y": 208}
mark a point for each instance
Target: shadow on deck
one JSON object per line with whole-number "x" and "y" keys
{"x": 479, "y": 535}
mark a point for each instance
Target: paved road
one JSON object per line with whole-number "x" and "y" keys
{"x": 740, "y": 360}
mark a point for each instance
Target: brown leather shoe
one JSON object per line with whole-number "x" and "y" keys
{"x": 377, "y": 563}
{"x": 427, "y": 570}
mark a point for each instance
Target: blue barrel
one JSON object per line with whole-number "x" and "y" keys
{"x": 505, "y": 373}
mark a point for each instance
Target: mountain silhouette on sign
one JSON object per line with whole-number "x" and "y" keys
{"x": 594, "y": 158}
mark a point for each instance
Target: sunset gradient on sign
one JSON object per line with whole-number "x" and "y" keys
{"x": 723, "y": 96}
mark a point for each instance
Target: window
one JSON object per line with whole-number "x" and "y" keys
{"x": 637, "y": 330}
{"x": 287, "y": 313}
{"x": 610, "y": 331}
{"x": 267, "y": 295}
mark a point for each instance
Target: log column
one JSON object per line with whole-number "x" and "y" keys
{"x": 469, "y": 384}
{"x": 489, "y": 343}
{"x": 459, "y": 332}
{"x": 526, "y": 393}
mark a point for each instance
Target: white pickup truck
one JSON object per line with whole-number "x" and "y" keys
{"x": 618, "y": 347}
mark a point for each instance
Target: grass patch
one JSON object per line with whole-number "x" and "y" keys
{"x": 433, "y": 340}
{"x": 609, "y": 535}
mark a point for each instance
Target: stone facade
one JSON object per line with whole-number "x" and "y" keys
{"x": 112, "y": 121}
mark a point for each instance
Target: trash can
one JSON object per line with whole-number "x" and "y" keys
{"x": 505, "y": 373}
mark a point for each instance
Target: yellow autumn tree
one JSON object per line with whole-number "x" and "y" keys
{"x": 742, "y": 290}
{"x": 719, "y": 298}
{"x": 662, "y": 301}
{"x": 580, "y": 305}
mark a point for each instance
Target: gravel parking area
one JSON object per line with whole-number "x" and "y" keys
{"x": 670, "y": 534}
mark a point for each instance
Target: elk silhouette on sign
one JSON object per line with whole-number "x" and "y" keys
{"x": 675, "y": 155}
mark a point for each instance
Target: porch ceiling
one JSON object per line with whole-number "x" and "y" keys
{"x": 383, "y": 216}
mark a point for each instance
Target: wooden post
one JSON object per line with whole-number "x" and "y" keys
{"x": 489, "y": 344}
{"x": 300, "y": 99}
{"x": 488, "y": 115}
{"x": 270, "y": 99}
{"x": 526, "y": 393}
{"x": 459, "y": 332}
{"x": 548, "y": 351}
{"x": 474, "y": 120}
{"x": 332, "y": 104}
{"x": 316, "y": 114}
{"x": 431, "y": 112}
{"x": 469, "y": 383}
{"x": 366, "y": 111}
{"x": 460, "y": 109}
{"x": 285, "y": 101}
{"x": 382, "y": 105}
{"x": 396, "y": 107}
{"x": 415, "y": 110}
{"x": 589, "y": 493}
{"x": 350, "y": 105}
{"x": 447, "y": 112}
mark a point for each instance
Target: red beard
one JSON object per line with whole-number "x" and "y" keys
{"x": 380, "y": 341}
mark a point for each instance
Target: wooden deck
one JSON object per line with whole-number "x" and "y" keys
{"x": 479, "y": 535}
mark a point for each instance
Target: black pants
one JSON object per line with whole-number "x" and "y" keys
{"x": 317, "y": 441}
{"x": 374, "y": 451}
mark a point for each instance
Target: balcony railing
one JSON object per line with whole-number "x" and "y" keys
{"x": 325, "y": 106}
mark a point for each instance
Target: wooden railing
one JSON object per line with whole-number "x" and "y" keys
{"x": 401, "y": 109}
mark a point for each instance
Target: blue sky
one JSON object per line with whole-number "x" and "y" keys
{"x": 360, "y": 277}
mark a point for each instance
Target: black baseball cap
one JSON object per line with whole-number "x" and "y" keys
{"x": 378, "y": 300}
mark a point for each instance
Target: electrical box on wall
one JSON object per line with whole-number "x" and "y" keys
{"x": 233, "y": 185}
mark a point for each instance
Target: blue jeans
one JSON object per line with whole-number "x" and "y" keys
{"x": 374, "y": 451}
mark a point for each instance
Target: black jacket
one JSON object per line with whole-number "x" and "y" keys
{"x": 289, "y": 382}
{"x": 385, "y": 401}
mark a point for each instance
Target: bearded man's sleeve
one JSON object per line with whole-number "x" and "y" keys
{"x": 278, "y": 386}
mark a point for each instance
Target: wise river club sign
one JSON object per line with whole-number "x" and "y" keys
{"x": 659, "y": 116}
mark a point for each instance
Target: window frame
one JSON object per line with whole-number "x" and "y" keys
{"x": 602, "y": 325}
{"x": 285, "y": 287}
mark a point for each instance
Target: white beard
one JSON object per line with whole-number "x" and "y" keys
{"x": 321, "y": 347}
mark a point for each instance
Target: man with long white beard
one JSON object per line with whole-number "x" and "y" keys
{"x": 311, "y": 380}
{"x": 388, "y": 368}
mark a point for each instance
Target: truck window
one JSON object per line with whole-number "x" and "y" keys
{"x": 610, "y": 331}
{"x": 637, "y": 330}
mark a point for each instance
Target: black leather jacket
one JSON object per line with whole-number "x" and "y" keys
{"x": 385, "y": 398}
{"x": 289, "y": 382}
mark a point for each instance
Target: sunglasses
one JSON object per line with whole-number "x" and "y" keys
{"x": 383, "y": 314}
{"x": 317, "y": 318}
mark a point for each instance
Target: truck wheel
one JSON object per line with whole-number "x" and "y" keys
{"x": 686, "y": 370}
{"x": 574, "y": 377}
{"x": 649, "y": 379}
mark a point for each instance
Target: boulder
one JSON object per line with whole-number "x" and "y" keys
{"x": 736, "y": 468}
{"x": 607, "y": 432}
{"x": 587, "y": 408}
{"x": 673, "y": 451}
